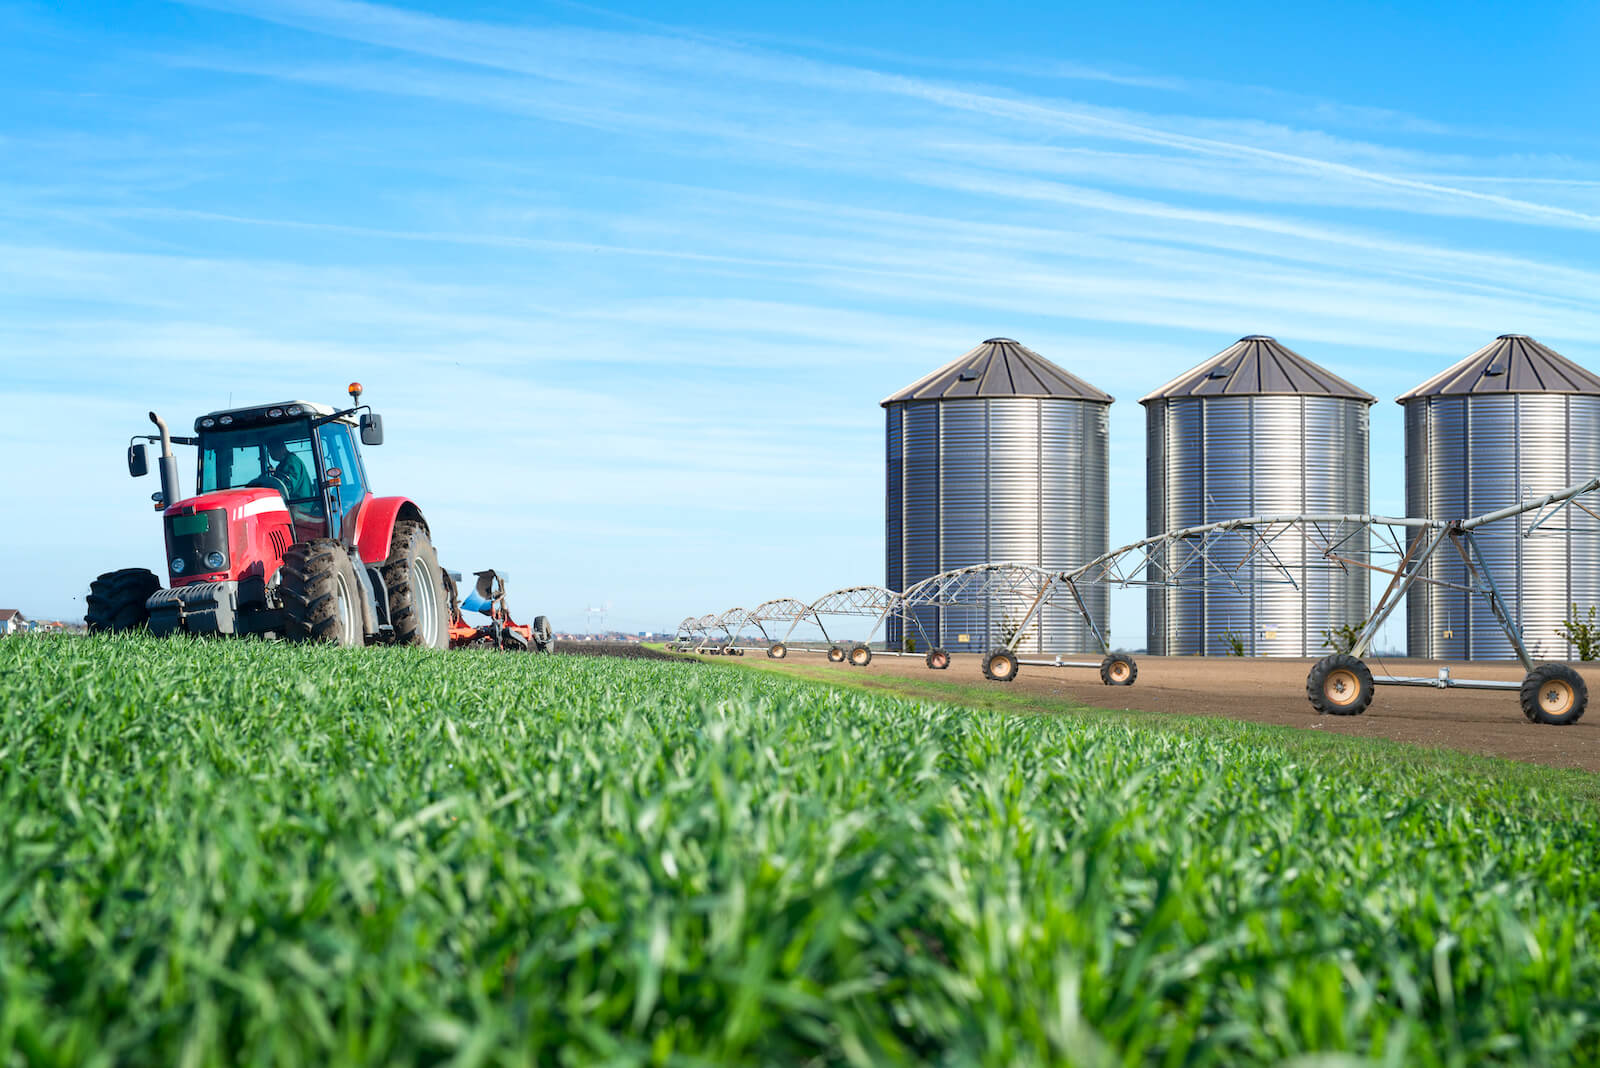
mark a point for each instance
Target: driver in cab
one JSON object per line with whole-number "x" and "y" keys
{"x": 287, "y": 474}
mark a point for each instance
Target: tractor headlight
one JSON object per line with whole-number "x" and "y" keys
{"x": 215, "y": 560}
{"x": 208, "y": 422}
{"x": 293, "y": 409}
{"x": 225, "y": 420}
{"x": 275, "y": 413}
{"x": 177, "y": 565}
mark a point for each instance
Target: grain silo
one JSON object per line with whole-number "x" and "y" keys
{"x": 1513, "y": 420}
{"x": 1256, "y": 430}
{"x": 998, "y": 456}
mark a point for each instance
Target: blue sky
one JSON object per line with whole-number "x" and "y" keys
{"x": 628, "y": 281}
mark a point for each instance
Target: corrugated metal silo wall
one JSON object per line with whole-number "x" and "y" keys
{"x": 1466, "y": 455}
{"x": 1218, "y": 458}
{"x": 1004, "y": 479}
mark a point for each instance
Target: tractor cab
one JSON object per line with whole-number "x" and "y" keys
{"x": 304, "y": 451}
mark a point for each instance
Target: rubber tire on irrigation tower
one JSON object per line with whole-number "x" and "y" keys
{"x": 777, "y": 651}
{"x": 835, "y": 654}
{"x": 937, "y": 659}
{"x": 117, "y": 600}
{"x": 1000, "y": 665}
{"x": 1340, "y": 685}
{"x": 1554, "y": 694}
{"x": 860, "y": 655}
{"x": 418, "y": 605}
{"x": 544, "y": 635}
{"x": 321, "y": 595}
{"x": 1118, "y": 669}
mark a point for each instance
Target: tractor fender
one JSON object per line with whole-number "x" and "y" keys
{"x": 375, "y": 525}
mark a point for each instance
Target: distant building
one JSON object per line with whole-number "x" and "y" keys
{"x": 12, "y": 621}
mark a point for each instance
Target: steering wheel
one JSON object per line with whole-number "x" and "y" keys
{"x": 268, "y": 480}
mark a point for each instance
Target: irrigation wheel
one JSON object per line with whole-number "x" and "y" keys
{"x": 860, "y": 655}
{"x": 1339, "y": 685}
{"x": 1118, "y": 669}
{"x": 1554, "y": 694}
{"x": 835, "y": 654}
{"x": 937, "y": 659}
{"x": 777, "y": 651}
{"x": 1000, "y": 665}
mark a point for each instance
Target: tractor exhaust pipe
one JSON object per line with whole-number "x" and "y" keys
{"x": 167, "y": 464}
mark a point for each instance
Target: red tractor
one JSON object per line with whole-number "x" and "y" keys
{"x": 283, "y": 538}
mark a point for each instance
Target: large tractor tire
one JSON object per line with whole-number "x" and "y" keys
{"x": 321, "y": 594}
{"x": 544, "y": 635}
{"x": 1118, "y": 669}
{"x": 117, "y": 600}
{"x": 1340, "y": 685}
{"x": 418, "y": 610}
{"x": 1554, "y": 694}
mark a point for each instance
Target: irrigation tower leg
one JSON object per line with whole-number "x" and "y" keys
{"x": 1483, "y": 582}
{"x": 1405, "y": 576}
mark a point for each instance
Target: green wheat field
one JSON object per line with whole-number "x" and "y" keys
{"x": 240, "y": 852}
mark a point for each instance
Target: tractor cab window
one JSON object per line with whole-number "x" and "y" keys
{"x": 342, "y": 474}
{"x": 274, "y": 457}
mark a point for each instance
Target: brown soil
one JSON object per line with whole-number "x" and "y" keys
{"x": 1274, "y": 691}
{"x": 630, "y": 650}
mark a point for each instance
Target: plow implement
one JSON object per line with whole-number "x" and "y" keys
{"x": 487, "y": 597}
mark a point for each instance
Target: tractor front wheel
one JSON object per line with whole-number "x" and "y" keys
{"x": 117, "y": 598}
{"x": 321, "y": 594}
{"x": 418, "y": 611}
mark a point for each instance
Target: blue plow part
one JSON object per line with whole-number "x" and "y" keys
{"x": 473, "y": 603}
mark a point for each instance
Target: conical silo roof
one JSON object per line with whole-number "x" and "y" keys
{"x": 999, "y": 367}
{"x": 1511, "y": 363}
{"x": 1258, "y": 365}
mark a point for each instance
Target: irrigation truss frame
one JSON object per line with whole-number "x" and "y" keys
{"x": 1237, "y": 553}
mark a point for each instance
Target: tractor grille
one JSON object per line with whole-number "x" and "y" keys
{"x": 191, "y": 537}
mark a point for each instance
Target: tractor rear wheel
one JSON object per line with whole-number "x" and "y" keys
{"x": 418, "y": 611}
{"x": 116, "y": 600}
{"x": 321, "y": 594}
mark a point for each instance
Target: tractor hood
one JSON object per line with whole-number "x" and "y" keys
{"x": 232, "y": 535}
{"x": 240, "y": 504}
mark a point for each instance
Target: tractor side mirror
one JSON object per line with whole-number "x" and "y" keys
{"x": 371, "y": 429}
{"x": 138, "y": 462}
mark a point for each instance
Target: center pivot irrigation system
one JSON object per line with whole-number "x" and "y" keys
{"x": 1233, "y": 555}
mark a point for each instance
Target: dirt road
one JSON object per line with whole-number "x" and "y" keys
{"x": 1273, "y": 691}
